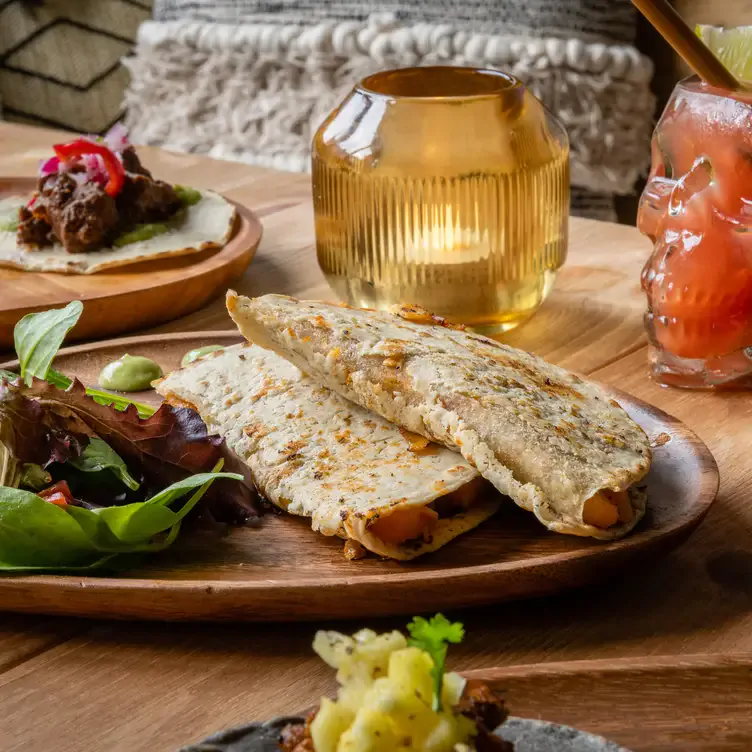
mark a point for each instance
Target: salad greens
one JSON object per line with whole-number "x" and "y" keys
{"x": 37, "y": 535}
{"x": 99, "y": 456}
{"x": 38, "y": 337}
{"x": 433, "y": 636}
{"x": 88, "y": 479}
{"x": 34, "y": 476}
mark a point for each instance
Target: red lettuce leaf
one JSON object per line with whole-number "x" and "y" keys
{"x": 166, "y": 447}
{"x": 40, "y": 436}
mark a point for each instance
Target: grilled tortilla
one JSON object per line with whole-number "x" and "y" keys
{"x": 557, "y": 445}
{"x": 313, "y": 453}
{"x": 207, "y": 224}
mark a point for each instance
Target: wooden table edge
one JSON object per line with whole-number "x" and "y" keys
{"x": 614, "y": 665}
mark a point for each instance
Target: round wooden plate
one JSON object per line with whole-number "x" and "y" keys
{"x": 284, "y": 571}
{"x": 133, "y": 297}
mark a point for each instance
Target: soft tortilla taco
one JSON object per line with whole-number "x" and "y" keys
{"x": 554, "y": 443}
{"x": 314, "y": 454}
{"x": 97, "y": 207}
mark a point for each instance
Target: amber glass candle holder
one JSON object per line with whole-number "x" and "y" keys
{"x": 446, "y": 187}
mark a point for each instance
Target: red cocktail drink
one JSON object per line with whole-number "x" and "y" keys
{"x": 697, "y": 209}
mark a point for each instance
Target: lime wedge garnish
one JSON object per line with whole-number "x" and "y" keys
{"x": 732, "y": 46}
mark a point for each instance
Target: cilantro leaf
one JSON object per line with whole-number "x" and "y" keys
{"x": 433, "y": 636}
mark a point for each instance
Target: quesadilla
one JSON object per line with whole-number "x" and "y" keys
{"x": 314, "y": 454}
{"x": 554, "y": 443}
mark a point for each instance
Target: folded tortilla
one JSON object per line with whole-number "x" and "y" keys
{"x": 314, "y": 454}
{"x": 557, "y": 445}
{"x": 209, "y": 223}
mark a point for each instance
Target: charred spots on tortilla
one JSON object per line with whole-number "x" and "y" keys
{"x": 660, "y": 440}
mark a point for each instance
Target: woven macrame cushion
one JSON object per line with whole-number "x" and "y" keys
{"x": 251, "y": 80}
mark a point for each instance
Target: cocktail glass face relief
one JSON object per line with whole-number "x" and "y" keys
{"x": 697, "y": 209}
{"x": 445, "y": 187}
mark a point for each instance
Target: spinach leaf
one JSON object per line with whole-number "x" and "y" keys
{"x": 38, "y": 336}
{"x": 36, "y": 535}
{"x": 99, "y": 456}
{"x": 145, "y": 520}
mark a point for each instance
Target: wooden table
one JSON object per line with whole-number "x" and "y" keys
{"x": 72, "y": 685}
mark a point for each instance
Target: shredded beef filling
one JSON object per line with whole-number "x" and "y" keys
{"x": 297, "y": 736}
{"x": 482, "y": 705}
{"x": 84, "y": 218}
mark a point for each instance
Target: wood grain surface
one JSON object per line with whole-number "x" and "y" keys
{"x": 130, "y": 298}
{"x": 701, "y": 702}
{"x": 77, "y": 685}
{"x": 283, "y": 571}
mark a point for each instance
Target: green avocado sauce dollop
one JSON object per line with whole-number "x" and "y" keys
{"x": 130, "y": 373}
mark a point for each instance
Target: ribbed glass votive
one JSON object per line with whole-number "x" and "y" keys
{"x": 446, "y": 187}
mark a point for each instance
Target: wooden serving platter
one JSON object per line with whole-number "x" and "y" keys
{"x": 696, "y": 703}
{"x": 284, "y": 571}
{"x": 133, "y": 297}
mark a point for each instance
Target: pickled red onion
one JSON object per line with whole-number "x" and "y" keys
{"x": 49, "y": 167}
{"x": 95, "y": 169}
{"x": 117, "y": 138}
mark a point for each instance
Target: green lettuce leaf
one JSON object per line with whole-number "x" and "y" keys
{"x": 36, "y": 535}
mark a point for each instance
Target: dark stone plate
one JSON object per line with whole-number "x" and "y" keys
{"x": 527, "y": 735}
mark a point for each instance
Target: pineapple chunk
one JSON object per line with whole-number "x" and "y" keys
{"x": 330, "y": 723}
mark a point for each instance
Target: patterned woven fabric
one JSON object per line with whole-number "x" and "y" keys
{"x": 60, "y": 60}
{"x": 256, "y": 92}
{"x": 604, "y": 20}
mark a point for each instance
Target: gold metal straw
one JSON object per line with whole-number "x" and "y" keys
{"x": 695, "y": 53}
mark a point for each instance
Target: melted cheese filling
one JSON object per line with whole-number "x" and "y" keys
{"x": 605, "y": 508}
{"x": 409, "y": 523}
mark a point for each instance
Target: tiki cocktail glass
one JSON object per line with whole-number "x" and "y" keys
{"x": 697, "y": 209}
